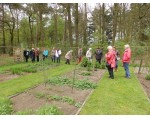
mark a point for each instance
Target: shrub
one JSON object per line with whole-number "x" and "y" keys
{"x": 84, "y": 62}
{"x": 147, "y": 77}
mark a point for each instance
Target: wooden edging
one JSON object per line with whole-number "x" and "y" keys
{"x": 84, "y": 103}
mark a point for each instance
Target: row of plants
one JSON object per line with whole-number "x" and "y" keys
{"x": 67, "y": 99}
{"x": 45, "y": 110}
{"x": 86, "y": 63}
{"x": 80, "y": 84}
{"x": 31, "y": 67}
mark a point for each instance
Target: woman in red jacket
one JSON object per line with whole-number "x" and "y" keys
{"x": 126, "y": 60}
{"x": 110, "y": 59}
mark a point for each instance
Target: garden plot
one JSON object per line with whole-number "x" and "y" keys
{"x": 59, "y": 92}
{"x": 141, "y": 77}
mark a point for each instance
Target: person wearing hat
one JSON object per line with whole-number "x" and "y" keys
{"x": 110, "y": 61}
{"x": 68, "y": 56}
{"x": 89, "y": 54}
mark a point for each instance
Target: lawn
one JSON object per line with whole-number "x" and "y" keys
{"x": 120, "y": 96}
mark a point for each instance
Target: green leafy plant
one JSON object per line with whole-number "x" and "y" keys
{"x": 48, "y": 110}
{"x": 77, "y": 84}
{"x": 40, "y": 95}
{"x": 84, "y": 62}
{"x": 45, "y": 110}
{"x": 5, "y": 106}
{"x": 147, "y": 77}
{"x": 86, "y": 73}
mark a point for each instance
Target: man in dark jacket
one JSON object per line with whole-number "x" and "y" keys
{"x": 98, "y": 55}
{"x": 26, "y": 55}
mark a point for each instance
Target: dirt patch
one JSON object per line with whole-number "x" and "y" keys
{"x": 28, "y": 100}
{"x": 141, "y": 77}
{"x": 4, "y": 77}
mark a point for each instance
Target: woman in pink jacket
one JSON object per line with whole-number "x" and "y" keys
{"x": 110, "y": 59}
{"x": 126, "y": 60}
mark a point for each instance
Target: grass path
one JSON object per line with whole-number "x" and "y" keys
{"x": 120, "y": 96}
{"x": 17, "y": 85}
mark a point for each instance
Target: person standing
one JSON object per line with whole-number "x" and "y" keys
{"x": 68, "y": 56}
{"x": 117, "y": 57}
{"x": 110, "y": 61}
{"x": 32, "y": 55}
{"x": 98, "y": 55}
{"x": 89, "y": 54}
{"x": 53, "y": 54}
{"x": 126, "y": 60}
{"x": 58, "y": 56}
{"x": 79, "y": 55}
{"x": 26, "y": 55}
{"x": 37, "y": 53}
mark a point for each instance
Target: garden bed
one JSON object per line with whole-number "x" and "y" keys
{"x": 65, "y": 98}
{"x": 141, "y": 77}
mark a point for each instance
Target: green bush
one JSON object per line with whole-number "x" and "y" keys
{"x": 84, "y": 62}
{"x": 5, "y": 106}
{"x": 147, "y": 77}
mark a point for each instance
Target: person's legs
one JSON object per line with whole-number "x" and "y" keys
{"x": 108, "y": 67}
{"x": 126, "y": 67}
{"x": 111, "y": 73}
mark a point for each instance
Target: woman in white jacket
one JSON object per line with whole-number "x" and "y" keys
{"x": 89, "y": 54}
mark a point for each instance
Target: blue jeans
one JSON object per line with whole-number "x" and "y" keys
{"x": 126, "y": 68}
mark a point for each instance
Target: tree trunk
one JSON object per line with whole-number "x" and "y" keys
{"x": 31, "y": 30}
{"x": 85, "y": 26}
{"x": 103, "y": 22}
{"x": 18, "y": 30}
{"x": 3, "y": 26}
{"x": 69, "y": 24}
{"x": 115, "y": 11}
{"x": 76, "y": 23}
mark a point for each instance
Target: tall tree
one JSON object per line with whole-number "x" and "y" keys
{"x": 69, "y": 24}
{"x": 85, "y": 25}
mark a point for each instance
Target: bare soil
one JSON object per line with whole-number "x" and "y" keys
{"x": 141, "y": 77}
{"x": 28, "y": 100}
{"x": 4, "y": 77}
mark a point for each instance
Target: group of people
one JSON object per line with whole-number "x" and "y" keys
{"x": 33, "y": 54}
{"x": 112, "y": 57}
{"x": 112, "y": 60}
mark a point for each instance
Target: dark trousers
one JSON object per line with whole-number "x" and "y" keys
{"x": 110, "y": 71}
{"x": 37, "y": 58}
{"x": 26, "y": 57}
{"x": 67, "y": 61}
{"x": 58, "y": 59}
{"x": 98, "y": 60}
{"x": 53, "y": 58}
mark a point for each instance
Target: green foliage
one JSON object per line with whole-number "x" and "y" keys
{"x": 48, "y": 110}
{"x": 86, "y": 73}
{"x": 67, "y": 99}
{"x": 147, "y": 77}
{"x": 5, "y": 106}
{"x": 84, "y": 62}
{"x": 77, "y": 84}
{"x": 84, "y": 85}
{"x": 20, "y": 70}
{"x": 45, "y": 110}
